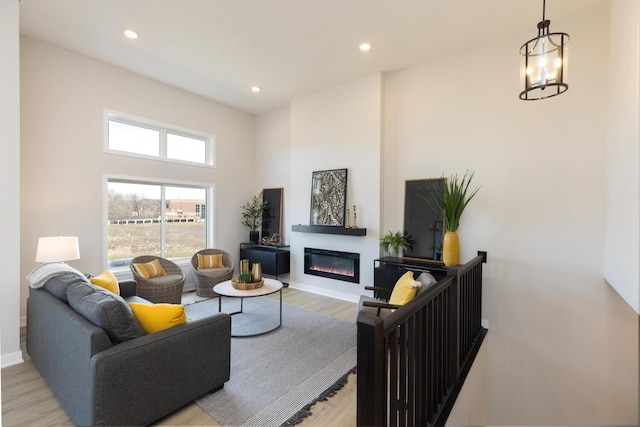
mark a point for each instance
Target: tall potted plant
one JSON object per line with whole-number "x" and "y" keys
{"x": 252, "y": 216}
{"x": 451, "y": 203}
{"x": 396, "y": 243}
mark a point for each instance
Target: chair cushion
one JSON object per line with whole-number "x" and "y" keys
{"x": 157, "y": 317}
{"x": 105, "y": 310}
{"x": 106, "y": 280}
{"x": 150, "y": 269}
{"x": 404, "y": 290}
{"x": 213, "y": 272}
{"x": 209, "y": 261}
{"x": 167, "y": 279}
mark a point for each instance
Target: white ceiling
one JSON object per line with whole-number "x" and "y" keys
{"x": 290, "y": 48}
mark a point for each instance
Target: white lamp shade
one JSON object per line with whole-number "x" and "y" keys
{"x": 57, "y": 249}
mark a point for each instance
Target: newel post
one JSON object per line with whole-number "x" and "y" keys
{"x": 371, "y": 371}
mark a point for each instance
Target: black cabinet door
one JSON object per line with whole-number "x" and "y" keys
{"x": 273, "y": 261}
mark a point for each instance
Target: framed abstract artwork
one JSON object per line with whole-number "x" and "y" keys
{"x": 328, "y": 197}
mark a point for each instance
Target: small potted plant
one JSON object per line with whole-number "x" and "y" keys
{"x": 252, "y": 216}
{"x": 395, "y": 243}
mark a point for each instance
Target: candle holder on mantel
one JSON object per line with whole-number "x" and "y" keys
{"x": 347, "y": 224}
{"x": 355, "y": 218}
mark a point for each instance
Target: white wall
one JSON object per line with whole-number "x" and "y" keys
{"x": 10, "y": 178}
{"x": 334, "y": 129}
{"x": 273, "y": 144}
{"x": 63, "y": 164}
{"x": 622, "y": 238}
{"x": 563, "y": 346}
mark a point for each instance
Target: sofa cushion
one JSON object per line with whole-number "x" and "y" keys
{"x": 107, "y": 280}
{"x": 136, "y": 298}
{"x": 157, "y": 317}
{"x": 57, "y": 286}
{"x": 105, "y": 310}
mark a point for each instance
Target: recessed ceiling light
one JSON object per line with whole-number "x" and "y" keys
{"x": 131, "y": 34}
{"x": 255, "y": 89}
{"x": 365, "y": 47}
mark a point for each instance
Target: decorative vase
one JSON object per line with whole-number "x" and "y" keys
{"x": 244, "y": 266}
{"x": 256, "y": 272}
{"x": 396, "y": 252}
{"x": 254, "y": 237}
{"x": 451, "y": 248}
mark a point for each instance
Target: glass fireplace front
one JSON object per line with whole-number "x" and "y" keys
{"x": 336, "y": 265}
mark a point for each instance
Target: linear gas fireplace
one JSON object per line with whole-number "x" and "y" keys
{"x": 332, "y": 264}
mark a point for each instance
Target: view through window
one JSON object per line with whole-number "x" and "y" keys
{"x": 154, "y": 219}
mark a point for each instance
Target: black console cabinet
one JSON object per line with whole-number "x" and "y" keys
{"x": 387, "y": 270}
{"x": 274, "y": 260}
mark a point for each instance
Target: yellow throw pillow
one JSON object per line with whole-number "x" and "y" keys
{"x": 210, "y": 261}
{"x": 404, "y": 290}
{"x": 107, "y": 280}
{"x": 150, "y": 269}
{"x": 157, "y": 317}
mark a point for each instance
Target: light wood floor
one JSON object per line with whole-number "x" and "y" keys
{"x": 27, "y": 400}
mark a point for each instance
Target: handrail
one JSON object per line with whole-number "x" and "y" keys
{"x": 412, "y": 363}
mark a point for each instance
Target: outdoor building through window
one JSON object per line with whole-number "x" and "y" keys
{"x": 145, "y": 138}
{"x": 154, "y": 219}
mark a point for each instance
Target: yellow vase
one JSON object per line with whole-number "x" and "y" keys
{"x": 451, "y": 249}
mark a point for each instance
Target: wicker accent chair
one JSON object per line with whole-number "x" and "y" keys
{"x": 159, "y": 289}
{"x": 207, "y": 278}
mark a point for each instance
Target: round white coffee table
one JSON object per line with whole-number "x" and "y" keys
{"x": 271, "y": 286}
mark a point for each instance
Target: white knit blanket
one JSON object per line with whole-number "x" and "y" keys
{"x": 39, "y": 276}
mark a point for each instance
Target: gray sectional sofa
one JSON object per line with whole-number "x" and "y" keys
{"x": 127, "y": 378}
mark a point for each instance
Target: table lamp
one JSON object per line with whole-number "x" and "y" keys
{"x": 57, "y": 249}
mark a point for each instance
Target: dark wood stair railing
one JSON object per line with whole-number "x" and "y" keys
{"x": 413, "y": 362}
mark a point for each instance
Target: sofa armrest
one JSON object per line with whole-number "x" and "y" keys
{"x": 127, "y": 288}
{"x": 139, "y": 381}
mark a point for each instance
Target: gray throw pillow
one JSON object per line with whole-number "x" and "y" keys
{"x": 105, "y": 310}
{"x": 427, "y": 281}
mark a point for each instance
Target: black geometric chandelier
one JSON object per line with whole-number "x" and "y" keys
{"x": 544, "y": 63}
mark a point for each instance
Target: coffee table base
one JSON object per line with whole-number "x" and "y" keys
{"x": 241, "y": 311}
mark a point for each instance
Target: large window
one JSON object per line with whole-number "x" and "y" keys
{"x": 145, "y": 138}
{"x": 154, "y": 219}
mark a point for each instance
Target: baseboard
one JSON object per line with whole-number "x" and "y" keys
{"x": 325, "y": 292}
{"x": 11, "y": 359}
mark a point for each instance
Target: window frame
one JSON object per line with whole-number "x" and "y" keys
{"x": 163, "y": 129}
{"x": 210, "y": 229}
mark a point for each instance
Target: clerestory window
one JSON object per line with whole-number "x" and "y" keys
{"x": 132, "y": 136}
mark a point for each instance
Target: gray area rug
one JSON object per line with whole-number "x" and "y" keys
{"x": 275, "y": 377}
